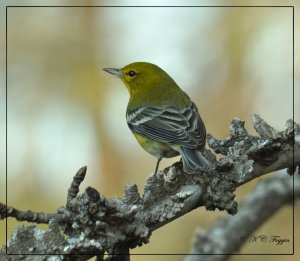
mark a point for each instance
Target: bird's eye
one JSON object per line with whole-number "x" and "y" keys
{"x": 131, "y": 73}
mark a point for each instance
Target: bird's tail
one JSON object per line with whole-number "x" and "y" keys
{"x": 193, "y": 161}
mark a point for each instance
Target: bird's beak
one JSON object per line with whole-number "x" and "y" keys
{"x": 114, "y": 71}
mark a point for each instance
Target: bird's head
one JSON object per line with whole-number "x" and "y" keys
{"x": 142, "y": 76}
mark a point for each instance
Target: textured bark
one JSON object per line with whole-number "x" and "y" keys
{"x": 227, "y": 235}
{"x": 92, "y": 224}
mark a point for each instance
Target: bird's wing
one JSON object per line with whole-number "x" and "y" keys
{"x": 169, "y": 125}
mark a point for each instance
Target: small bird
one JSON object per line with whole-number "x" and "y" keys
{"x": 162, "y": 117}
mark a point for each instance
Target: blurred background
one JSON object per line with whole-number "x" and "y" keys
{"x": 64, "y": 112}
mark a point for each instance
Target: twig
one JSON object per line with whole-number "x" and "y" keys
{"x": 41, "y": 217}
{"x": 30, "y": 216}
{"x": 74, "y": 188}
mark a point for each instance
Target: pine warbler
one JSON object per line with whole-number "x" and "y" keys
{"x": 162, "y": 117}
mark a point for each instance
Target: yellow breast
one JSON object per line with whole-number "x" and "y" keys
{"x": 157, "y": 149}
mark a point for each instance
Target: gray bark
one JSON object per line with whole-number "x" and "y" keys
{"x": 91, "y": 224}
{"x": 228, "y": 234}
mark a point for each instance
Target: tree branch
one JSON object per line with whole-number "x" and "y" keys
{"x": 93, "y": 224}
{"x": 227, "y": 235}
{"x": 30, "y": 216}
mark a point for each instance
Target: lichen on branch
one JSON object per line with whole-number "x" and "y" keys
{"x": 92, "y": 224}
